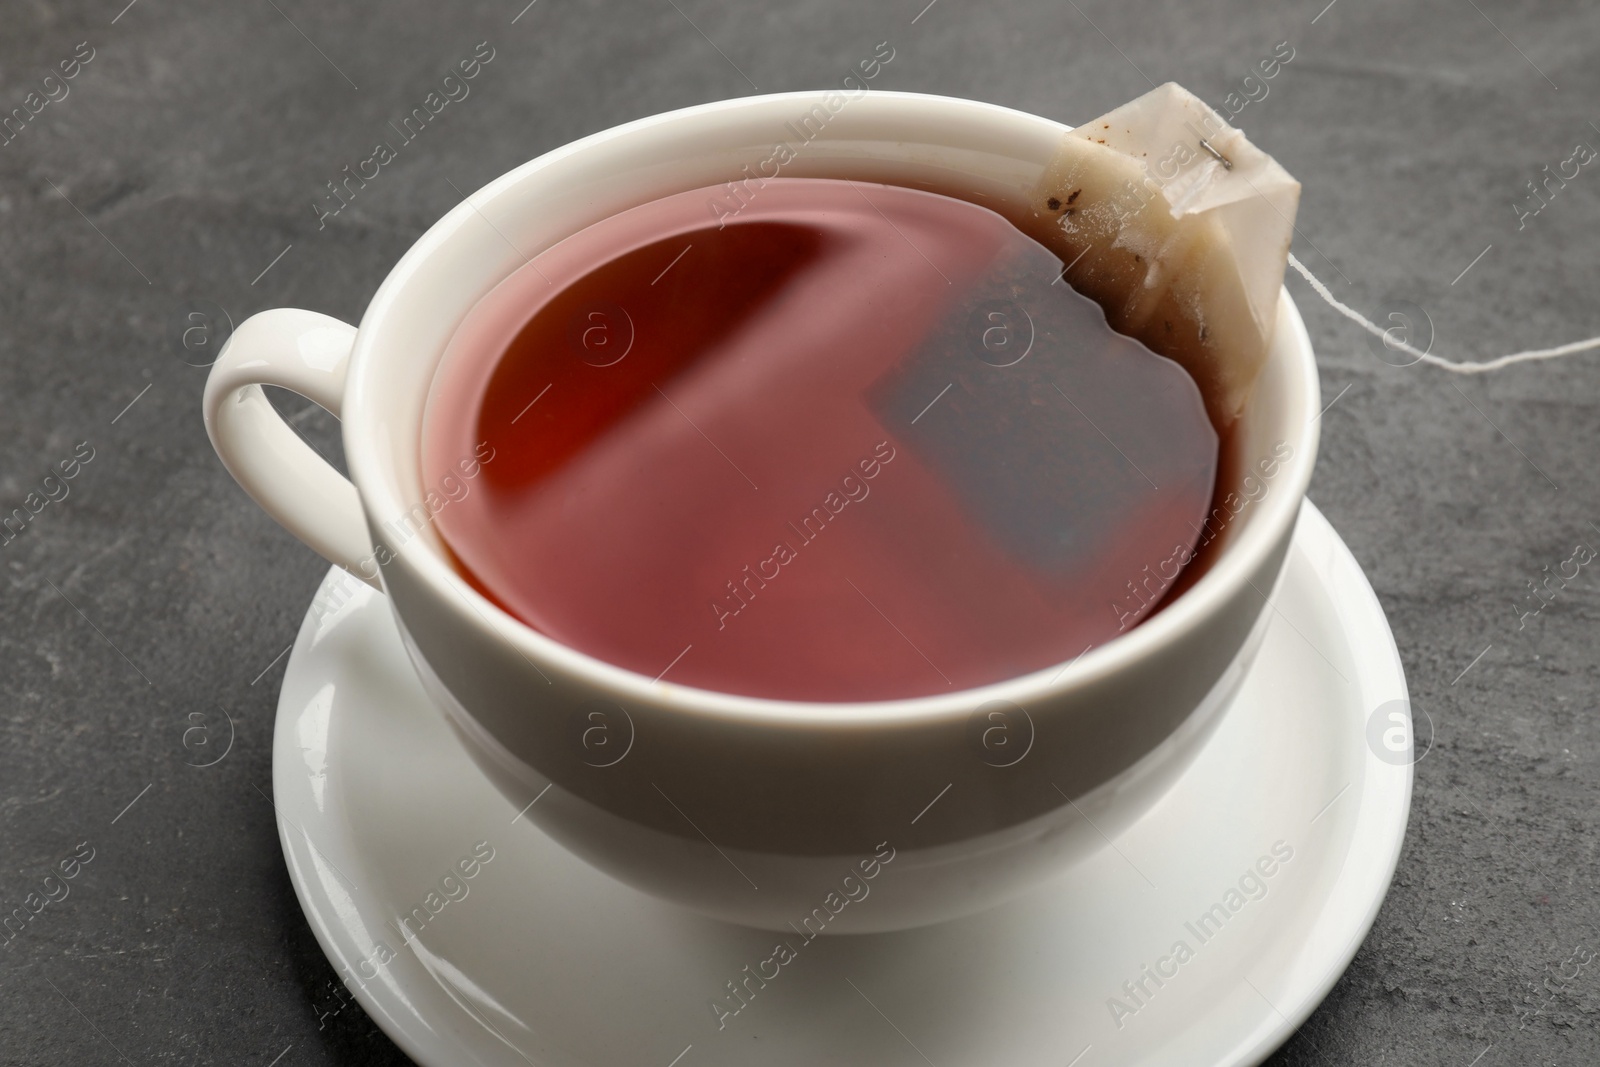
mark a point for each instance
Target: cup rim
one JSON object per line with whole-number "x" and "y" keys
{"x": 365, "y": 434}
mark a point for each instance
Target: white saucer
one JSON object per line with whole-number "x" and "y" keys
{"x": 546, "y": 961}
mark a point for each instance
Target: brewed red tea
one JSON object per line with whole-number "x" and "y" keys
{"x": 847, "y": 442}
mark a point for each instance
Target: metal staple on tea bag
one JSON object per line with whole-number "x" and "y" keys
{"x": 1227, "y": 164}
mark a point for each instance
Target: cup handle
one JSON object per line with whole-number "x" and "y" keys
{"x": 309, "y": 354}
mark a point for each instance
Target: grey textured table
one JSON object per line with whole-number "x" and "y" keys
{"x": 178, "y": 174}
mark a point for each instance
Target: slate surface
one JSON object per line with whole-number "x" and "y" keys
{"x": 187, "y": 155}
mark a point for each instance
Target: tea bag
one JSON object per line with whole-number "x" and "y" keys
{"x": 1179, "y": 228}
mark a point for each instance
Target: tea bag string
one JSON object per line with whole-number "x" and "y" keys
{"x": 1373, "y": 328}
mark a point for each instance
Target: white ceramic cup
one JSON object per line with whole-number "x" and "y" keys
{"x": 813, "y": 817}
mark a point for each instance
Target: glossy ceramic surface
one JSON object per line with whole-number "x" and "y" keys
{"x": 1290, "y": 822}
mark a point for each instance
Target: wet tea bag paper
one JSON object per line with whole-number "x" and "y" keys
{"x": 1179, "y": 228}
